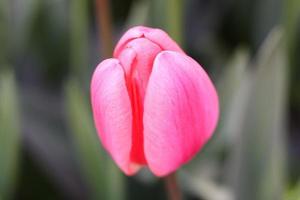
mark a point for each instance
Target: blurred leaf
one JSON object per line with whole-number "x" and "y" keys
{"x": 174, "y": 16}
{"x": 205, "y": 187}
{"x": 42, "y": 134}
{"x": 115, "y": 182}
{"x": 258, "y": 162}
{"x": 9, "y": 133}
{"x": 139, "y": 14}
{"x": 292, "y": 27}
{"x": 106, "y": 181}
{"x": 24, "y": 12}
{"x": 4, "y": 5}
{"x": 232, "y": 97}
{"x": 292, "y": 20}
{"x": 167, "y": 14}
{"x": 293, "y": 193}
{"x": 79, "y": 37}
{"x": 80, "y": 122}
{"x": 262, "y": 24}
{"x": 157, "y": 7}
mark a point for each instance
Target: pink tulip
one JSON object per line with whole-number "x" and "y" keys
{"x": 152, "y": 104}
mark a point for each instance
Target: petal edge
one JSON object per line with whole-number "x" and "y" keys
{"x": 181, "y": 112}
{"x": 112, "y": 112}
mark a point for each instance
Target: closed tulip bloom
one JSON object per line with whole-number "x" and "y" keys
{"x": 152, "y": 104}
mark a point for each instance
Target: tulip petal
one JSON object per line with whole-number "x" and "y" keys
{"x": 157, "y": 36}
{"x": 180, "y": 112}
{"x": 163, "y": 40}
{"x": 133, "y": 33}
{"x": 112, "y": 112}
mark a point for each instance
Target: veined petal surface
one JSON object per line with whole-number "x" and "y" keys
{"x": 180, "y": 112}
{"x": 112, "y": 112}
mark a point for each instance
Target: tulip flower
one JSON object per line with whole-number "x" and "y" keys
{"x": 152, "y": 104}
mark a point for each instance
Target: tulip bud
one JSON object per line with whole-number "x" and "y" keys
{"x": 152, "y": 104}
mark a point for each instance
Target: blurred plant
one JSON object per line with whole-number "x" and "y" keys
{"x": 10, "y": 130}
{"x": 3, "y": 32}
{"x": 258, "y": 159}
{"x": 173, "y": 20}
{"x": 253, "y": 129}
{"x": 48, "y": 40}
{"x": 22, "y": 15}
{"x": 139, "y": 14}
{"x": 79, "y": 27}
{"x": 292, "y": 25}
{"x": 9, "y": 134}
{"x": 293, "y": 193}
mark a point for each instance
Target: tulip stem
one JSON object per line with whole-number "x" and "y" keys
{"x": 172, "y": 187}
{"x": 104, "y": 26}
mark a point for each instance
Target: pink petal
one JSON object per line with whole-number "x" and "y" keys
{"x": 180, "y": 112}
{"x": 157, "y": 36}
{"x": 163, "y": 40}
{"x": 112, "y": 112}
{"x": 137, "y": 59}
{"x": 133, "y": 33}
{"x": 141, "y": 65}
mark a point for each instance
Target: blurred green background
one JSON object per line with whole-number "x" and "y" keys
{"x": 49, "y": 49}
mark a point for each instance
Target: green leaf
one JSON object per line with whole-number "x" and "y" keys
{"x": 258, "y": 159}
{"x": 3, "y": 31}
{"x": 115, "y": 182}
{"x": 23, "y": 15}
{"x": 9, "y": 133}
{"x": 261, "y": 24}
{"x": 105, "y": 180}
{"x": 167, "y": 14}
{"x": 79, "y": 37}
{"x": 139, "y": 14}
{"x": 174, "y": 16}
{"x": 291, "y": 21}
{"x": 292, "y": 27}
{"x": 293, "y": 193}
{"x": 232, "y": 95}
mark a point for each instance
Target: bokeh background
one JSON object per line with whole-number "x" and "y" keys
{"x": 49, "y": 49}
